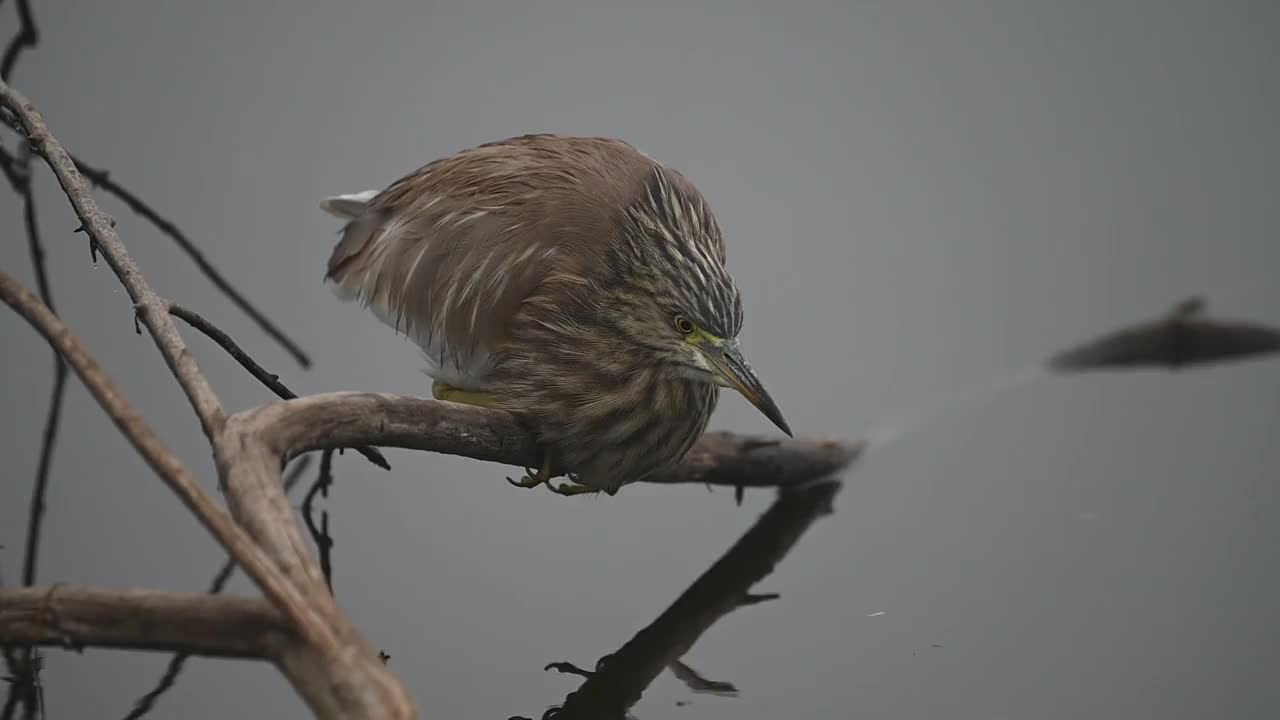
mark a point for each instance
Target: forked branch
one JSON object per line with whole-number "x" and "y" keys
{"x": 167, "y": 465}
{"x": 337, "y": 676}
{"x": 150, "y": 307}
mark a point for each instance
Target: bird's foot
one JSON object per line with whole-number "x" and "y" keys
{"x": 533, "y": 479}
{"x": 449, "y": 393}
{"x": 544, "y": 475}
{"x": 573, "y": 487}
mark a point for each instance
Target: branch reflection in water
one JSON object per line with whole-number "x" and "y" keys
{"x": 620, "y": 679}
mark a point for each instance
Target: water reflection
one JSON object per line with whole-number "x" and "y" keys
{"x": 620, "y": 678}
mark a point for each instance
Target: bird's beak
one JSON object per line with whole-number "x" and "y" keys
{"x": 737, "y": 374}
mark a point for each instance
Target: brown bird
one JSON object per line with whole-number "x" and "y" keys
{"x": 573, "y": 281}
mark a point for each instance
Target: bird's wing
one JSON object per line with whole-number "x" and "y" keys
{"x": 448, "y": 253}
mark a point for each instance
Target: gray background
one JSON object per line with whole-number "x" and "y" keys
{"x": 919, "y": 198}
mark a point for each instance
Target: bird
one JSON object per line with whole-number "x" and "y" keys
{"x": 573, "y": 281}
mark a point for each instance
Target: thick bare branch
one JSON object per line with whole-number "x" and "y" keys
{"x": 167, "y": 680}
{"x": 151, "y": 308}
{"x": 344, "y": 419}
{"x": 343, "y": 679}
{"x": 141, "y": 619}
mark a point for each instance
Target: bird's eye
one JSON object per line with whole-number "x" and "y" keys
{"x": 684, "y": 326}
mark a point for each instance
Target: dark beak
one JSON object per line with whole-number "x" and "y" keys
{"x": 737, "y": 374}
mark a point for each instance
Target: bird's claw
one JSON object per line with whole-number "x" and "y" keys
{"x": 530, "y": 480}
{"x": 570, "y": 488}
{"x": 533, "y": 479}
{"x": 543, "y": 476}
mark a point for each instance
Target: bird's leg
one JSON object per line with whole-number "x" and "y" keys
{"x": 449, "y": 393}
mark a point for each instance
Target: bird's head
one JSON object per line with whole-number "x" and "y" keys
{"x": 719, "y": 360}
{"x": 685, "y": 307}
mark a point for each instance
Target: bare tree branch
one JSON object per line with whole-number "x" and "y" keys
{"x": 334, "y": 669}
{"x": 139, "y": 433}
{"x": 147, "y": 702}
{"x": 270, "y": 380}
{"x": 152, "y": 309}
{"x": 343, "y": 419}
{"x": 103, "y": 179}
{"x": 76, "y": 617}
{"x": 340, "y": 679}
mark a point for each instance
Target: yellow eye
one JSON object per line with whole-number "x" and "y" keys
{"x": 684, "y": 326}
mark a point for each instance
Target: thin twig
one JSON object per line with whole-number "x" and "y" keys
{"x": 9, "y": 166}
{"x": 25, "y": 688}
{"x": 320, "y": 535}
{"x": 102, "y": 178}
{"x": 13, "y": 665}
{"x": 161, "y": 459}
{"x": 26, "y": 37}
{"x": 148, "y": 701}
{"x": 270, "y": 380}
{"x": 48, "y": 439}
